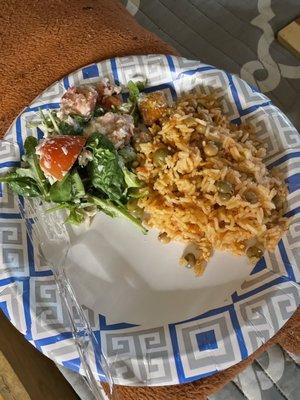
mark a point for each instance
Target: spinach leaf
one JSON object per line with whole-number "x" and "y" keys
{"x": 104, "y": 169}
{"x": 80, "y": 120}
{"x": 134, "y": 89}
{"x": 76, "y": 216}
{"x": 61, "y": 191}
{"x": 12, "y": 176}
{"x": 76, "y": 213}
{"x": 78, "y": 190}
{"x": 28, "y": 181}
{"x": 21, "y": 185}
{"x": 75, "y": 128}
{"x": 25, "y": 172}
{"x": 116, "y": 211}
{"x": 30, "y": 145}
{"x": 67, "y": 129}
{"x": 68, "y": 189}
{"x": 141, "y": 84}
{"x": 131, "y": 179}
{"x": 138, "y": 193}
{"x": 32, "y": 159}
{"x": 24, "y": 187}
{"x": 39, "y": 176}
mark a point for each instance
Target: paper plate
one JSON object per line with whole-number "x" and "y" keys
{"x": 157, "y": 322}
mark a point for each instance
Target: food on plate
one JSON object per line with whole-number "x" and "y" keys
{"x": 208, "y": 184}
{"x": 84, "y": 163}
{"x": 79, "y": 101}
{"x": 153, "y": 107}
{"x": 181, "y": 168}
{"x": 117, "y": 128}
{"x": 58, "y": 154}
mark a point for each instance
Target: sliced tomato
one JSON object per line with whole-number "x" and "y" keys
{"x": 59, "y": 153}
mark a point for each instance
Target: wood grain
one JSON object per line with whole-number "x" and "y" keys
{"x": 11, "y": 387}
{"x": 25, "y": 374}
{"x": 289, "y": 37}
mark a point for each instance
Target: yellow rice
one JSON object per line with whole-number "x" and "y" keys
{"x": 183, "y": 200}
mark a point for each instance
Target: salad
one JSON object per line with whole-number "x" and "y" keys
{"x": 85, "y": 162}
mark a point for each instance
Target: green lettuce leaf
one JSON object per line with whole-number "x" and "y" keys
{"x": 104, "y": 170}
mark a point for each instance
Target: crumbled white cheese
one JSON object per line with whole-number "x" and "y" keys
{"x": 47, "y": 164}
{"x": 84, "y": 157}
{"x": 65, "y": 151}
{"x": 50, "y": 178}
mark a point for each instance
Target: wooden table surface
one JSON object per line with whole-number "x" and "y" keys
{"x": 26, "y": 374}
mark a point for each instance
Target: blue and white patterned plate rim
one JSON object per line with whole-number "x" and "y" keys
{"x": 187, "y": 350}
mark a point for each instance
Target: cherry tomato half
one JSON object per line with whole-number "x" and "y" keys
{"x": 59, "y": 153}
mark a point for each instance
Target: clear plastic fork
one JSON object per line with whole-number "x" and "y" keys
{"x": 47, "y": 230}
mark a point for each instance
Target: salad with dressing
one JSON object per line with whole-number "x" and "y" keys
{"x": 85, "y": 162}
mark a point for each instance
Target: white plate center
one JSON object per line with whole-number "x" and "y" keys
{"x": 129, "y": 277}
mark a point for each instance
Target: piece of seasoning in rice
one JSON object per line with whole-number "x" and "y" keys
{"x": 164, "y": 238}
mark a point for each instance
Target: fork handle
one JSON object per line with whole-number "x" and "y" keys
{"x": 82, "y": 333}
